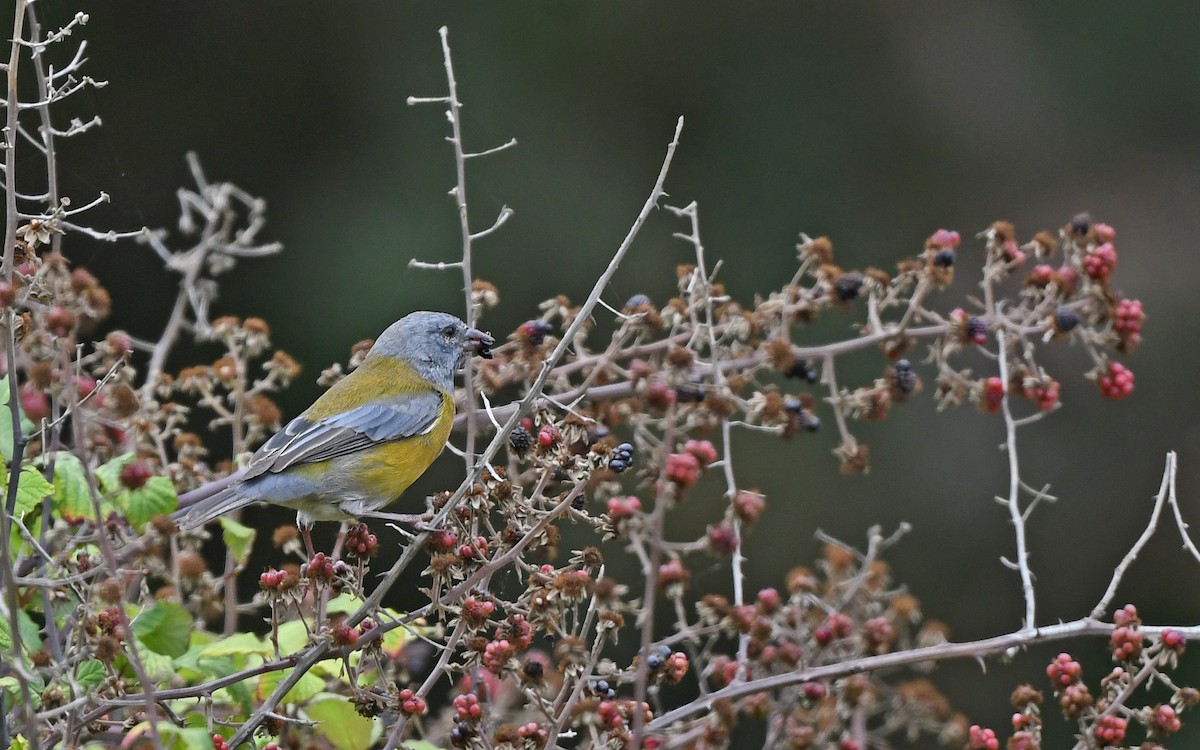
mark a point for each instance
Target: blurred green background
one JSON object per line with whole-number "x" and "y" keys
{"x": 873, "y": 123}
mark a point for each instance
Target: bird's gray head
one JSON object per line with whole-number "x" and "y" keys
{"x": 434, "y": 343}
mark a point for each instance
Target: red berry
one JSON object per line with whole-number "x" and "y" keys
{"x": 34, "y": 403}
{"x": 769, "y": 601}
{"x": 1173, "y": 640}
{"x": 993, "y": 395}
{"x": 1063, "y": 671}
{"x": 703, "y": 450}
{"x": 749, "y": 506}
{"x": 135, "y": 474}
{"x": 546, "y": 436}
{"x": 8, "y": 294}
{"x": 944, "y": 238}
{"x": 683, "y": 469}
{"x": 1110, "y": 730}
{"x": 979, "y": 738}
{"x": 1099, "y": 263}
{"x": 1117, "y": 383}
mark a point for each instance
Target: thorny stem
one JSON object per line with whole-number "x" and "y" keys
{"x": 1084, "y": 627}
{"x": 1014, "y": 487}
{"x": 460, "y": 198}
{"x": 1166, "y": 489}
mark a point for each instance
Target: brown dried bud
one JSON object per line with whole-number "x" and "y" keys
{"x": 821, "y": 248}
{"x": 110, "y": 590}
{"x": 191, "y": 565}
{"x": 284, "y": 534}
{"x": 1004, "y": 230}
{"x": 225, "y": 370}
{"x": 256, "y": 326}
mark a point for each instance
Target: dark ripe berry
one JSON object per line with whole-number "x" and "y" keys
{"x": 812, "y": 423}
{"x": 793, "y": 404}
{"x": 944, "y": 258}
{"x": 690, "y": 391}
{"x": 534, "y": 669}
{"x": 135, "y": 474}
{"x": 579, "y": 502}
{"x": 848, "y": 285}
{"x": 520, "y": 440}
{"x": 617, "y": 465}
{"x": 903, "y": 377}
{"x": 1081, "y": 224}
{"x": 800, "y": 369}
{"x": 654, "y": 661}
{"x": 1065, "y": 319}
{"x": 636, "y": 301}
{"x": 977, "y": 330}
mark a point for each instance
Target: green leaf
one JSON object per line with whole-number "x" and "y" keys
{"x": 344, "y": 603}
{"x": 238, "y": 644}
{"x": 32, "y": 488}
{"x": 72, "y": 496}
{"x": 293, "y": 636}
{"x": 6, "y": 425}
{"x": 109, "y": 473}
{"x": 19, "y": 743}
{"x": 339, "y": 723}
{"x": 238, "y": 539}
{"x": 89, "y": 674}
{"x": 165, "y": 628}
{"x": 305, "y": 688}
{"x": 155, "y": 498}
{"x": 31, "y": 635}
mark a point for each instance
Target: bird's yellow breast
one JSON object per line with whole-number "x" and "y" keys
{"x": 389, "y": 469}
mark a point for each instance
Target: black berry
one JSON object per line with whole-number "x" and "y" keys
{"x": 848, "y": 285}
{"x": 636, "y": 301}
{"x": 903, "y": 376}
{"x": 977, "y": 330}
{"x": 1065, "y": 319}
{"x": 801, "y": 369}
{"x": 520, "y": 440}
{"x": 944, "y": 258}
{"x": 1081, "y": 224}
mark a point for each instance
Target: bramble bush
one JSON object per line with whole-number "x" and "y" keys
{"x": 117, "y": 630}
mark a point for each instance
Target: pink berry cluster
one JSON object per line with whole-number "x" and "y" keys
{"x": 410, "y": 703}
{"x": 360, "y": 542}
{"x": 1117, "y": 382}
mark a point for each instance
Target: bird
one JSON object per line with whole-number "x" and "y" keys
{"x": 366, "y": 439}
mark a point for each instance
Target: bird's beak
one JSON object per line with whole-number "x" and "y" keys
{"x": 478, "y": 342}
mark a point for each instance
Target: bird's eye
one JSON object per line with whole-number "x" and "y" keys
{"x": 449, "y": 332}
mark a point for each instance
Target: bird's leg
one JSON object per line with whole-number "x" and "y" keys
{"x": 306, "y": 532}
{"x": 414, "y": 519}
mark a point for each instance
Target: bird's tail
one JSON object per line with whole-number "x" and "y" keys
{"x": 223, "y": 502}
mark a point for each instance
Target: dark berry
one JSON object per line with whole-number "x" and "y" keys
{"x": 800, "y": 369}
{"x": 812, "y": 423}
{"x": 617, "y": 465}
{"x": 903, "y": 376}
{"x": 1081, "y": 224}
{"x": 1065, "y": 319}
{"x": 534, "y": 669}
{"x": 848, "y": 286}
{"x": 793, "y": 404}
{"x": 944, "y": 258}
{"x": 520, "y": 440}
{"x": 579, "y": 502}
{"x": 690, "y": 391}
{"x": 977, "y": 330}
{"x": 636, "y": 301}
{"x": 654, "y": 661}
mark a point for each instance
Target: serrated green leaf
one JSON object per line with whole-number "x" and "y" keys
{"x": 165, "y": 628}
{"x": 340, "y": 724}
{"x": 89, "y": 674}
{"x": 72, "y": 496}
{"x": 12, "y": 687}
{"x": 32, "y": 488}
{"x": 108, "y": 474}
{"x": 155, "y": 498}
{"x": 19, "y": 743}
{"x": 238, "y": 644}
{"x": 238, "y": 539}
{"x": 305, "y": 688}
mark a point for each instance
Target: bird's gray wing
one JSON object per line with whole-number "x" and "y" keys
{"x": 305, "y": 442}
